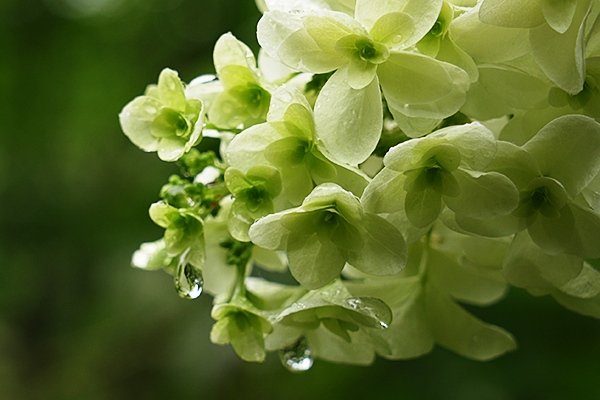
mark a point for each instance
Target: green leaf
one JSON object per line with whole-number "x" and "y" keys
{"x": 568, "y": 149}
{"x": 349, "y": 121}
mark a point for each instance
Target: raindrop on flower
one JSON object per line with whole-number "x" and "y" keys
{"x": 188, "y": 280}
{"x": 297, "y": 357}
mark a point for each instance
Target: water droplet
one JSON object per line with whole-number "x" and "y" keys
{"x": 383, "y": 324}
{"x": 188, "y": 280}
{"x": 297, "y": 357}
{"x": 354, "y": 303}
{"x": 397, "y": 39}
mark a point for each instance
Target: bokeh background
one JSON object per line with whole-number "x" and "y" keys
{"x": 77, "y": 322}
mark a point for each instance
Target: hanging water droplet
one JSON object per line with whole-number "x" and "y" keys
{"x": 297, "y": 357}
{"x": 188, "y": 280}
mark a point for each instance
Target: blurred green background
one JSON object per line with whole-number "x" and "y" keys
{"x": 77, "y": 322}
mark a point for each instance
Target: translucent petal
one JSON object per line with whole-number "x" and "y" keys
{"x": 527, "y": 266}
{"x": 136, "y": 121}
{"x": 516, "y": 89}
{"x": 483, "y": 195}
{"x": 170, "y": 90}
{"x": 409, "y": 333}
{"x": 393, "y": 29}
{"x": 268, "y": 232}
{"x": 568, "y": 70}
{"x": 512, "y": 13}
{"x": 409, "y": 78}
{"x": 385, "y": 193}
{"x": 442, "y": 107}
{"x": 423, "y": 12}
{"x": 171, "y": 149}
{"x": 505, "y": 225}
{"x": 568, "y": 149}
{"x": 247, "y": 149}
{"x": 514, "y": 162}
{"x": 328, "y": 346}
{"x": 488, "y": 43}
{"x": 559, "y": 13}
{"x": 422, "y": 208}
{"x": 586, "y": 233}
{"x": 476, "y": 143}
{"x": 360, "y": 74}
{"x": 283, "y": 36}
{"x": 230, "y": 51}
{"x": 326, "y": 28}
{"x": 348, "y": 121}
{"x": 313, "y": 263}
{"x": 346, "y": 6}
{"x": 384, "y": 251}
{"x": 585, "y": 285}
{"x": 449, "y": 52}
{"x": 462, "y": 284}
{"x": 287, "y": 96}
{"x": 553, "y": 235}
{"x": 459, "y": 331}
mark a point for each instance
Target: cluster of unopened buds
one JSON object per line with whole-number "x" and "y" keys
{"x": 384, "y": 162}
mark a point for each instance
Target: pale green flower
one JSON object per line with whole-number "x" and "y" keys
{"x": 163, "y": 120}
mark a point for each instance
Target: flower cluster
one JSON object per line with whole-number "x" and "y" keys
{"x": 389, "y": 160}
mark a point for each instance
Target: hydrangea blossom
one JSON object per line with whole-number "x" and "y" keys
{"x": 396, "y": 159}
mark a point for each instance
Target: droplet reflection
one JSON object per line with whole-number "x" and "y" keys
{"x": 188, "y": 281}
{"x": 297, "y": 357}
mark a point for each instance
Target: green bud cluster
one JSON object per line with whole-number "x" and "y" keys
{"x": 398, "y": 159}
